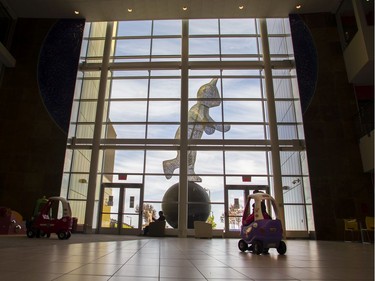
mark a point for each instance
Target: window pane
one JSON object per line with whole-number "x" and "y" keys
{"x": 128, "y": 88}
{"x": 176, "y": 73}
{"x": 217, "y": 211}
{"x": 134, "y": 28}
{"x": 166, "y": 46}
{"x": 154, "y": 163}
{"x": 254, "y": 180}
{"x": 161, "y": 131}
{"x": 129, "y": 161}
{"x": 277, "y": 26}
{"x": 84, "y": 131}
{"x": 81, "y": 160}
{"x": 130, "y": 73}
{"x": 200, "y": 27}
{"x": 287, "y": 132}
{"x": 290, "y": 163}
{"x": 165, "y": 88}
{"x": 164, "y": 111}
{"x": 245, "y": 162}
{"x": 241, "y": 72}
{"x": 243, "y": 111}
{"x": 215, "y": 187}
{"x": 237, "y": 26}
{"x": 204, "y": 46}
{"x": 278, "y": 45}
{"x": 245, "y": 132}
{"x": 167, "y": 27}
{"x": 87, "y": 111}
{"x": 134, "y": 111}
{"x": 134, "y": 47}
{"x": 282, "y": 88}
{"x": 90, "y": 88}
{"x": 215, "y": 158}
{"x": 238, "y": 46}
{"x": 293, "y": 191}
{"x": 241, "y": 88}
{"x": 295, "y": 218}
{"x": 130, "y": 131}
{"x": 285, "y": 111}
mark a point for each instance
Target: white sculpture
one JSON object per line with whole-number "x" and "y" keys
{"x": 199, "y": 121}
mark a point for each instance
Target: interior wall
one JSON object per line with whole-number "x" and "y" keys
{"x": 33, "y": 127}
{"x": 340, "y": 189}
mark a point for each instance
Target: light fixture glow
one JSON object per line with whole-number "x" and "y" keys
{"x": 76, "y": 12}
{"x": 240, "y": 7}
{"x": 130, "y": 10}
{"x": 298, "y": 7}
{"x": 184, "y": 8}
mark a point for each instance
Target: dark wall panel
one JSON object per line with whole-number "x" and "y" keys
{"x": 35, "y": 105}
{"x": 340, "y": 189}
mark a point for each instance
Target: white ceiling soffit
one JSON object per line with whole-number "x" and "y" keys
{"x": 108, "y": 10}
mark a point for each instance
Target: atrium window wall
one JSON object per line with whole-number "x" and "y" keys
{"x": 156, "y": 68}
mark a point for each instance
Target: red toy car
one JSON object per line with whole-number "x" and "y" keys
{"x": 55, "y": 216}
{"x": 260, "y": 232}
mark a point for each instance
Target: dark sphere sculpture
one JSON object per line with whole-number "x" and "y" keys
{"x": 199, "y": 207}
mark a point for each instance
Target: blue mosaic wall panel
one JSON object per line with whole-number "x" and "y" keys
{"x": 306, "y": 59}
{"x": 57, "y": 68}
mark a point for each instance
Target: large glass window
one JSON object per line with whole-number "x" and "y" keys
{"x": 227, "y": 126}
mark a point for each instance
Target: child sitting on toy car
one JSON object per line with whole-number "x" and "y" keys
{"x": 251, "y": 217}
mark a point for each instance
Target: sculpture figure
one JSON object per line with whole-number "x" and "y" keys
{"x": 199, "y": 121}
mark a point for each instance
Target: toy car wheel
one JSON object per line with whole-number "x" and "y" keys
{"x": 30, "y": 233}
{"x": 242, "y": 245}
{"x": 258, "y": 247}
{"x": 68, "y": 234}
{"x": 281, "y": 249}
{"x": 48, "y": 235}
{"x": 61, "y": 235}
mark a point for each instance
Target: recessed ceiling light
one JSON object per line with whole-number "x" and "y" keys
{"x": 184, "y": 8}
{"x": 130, "y": 10}
{"x": 240, "y": 7}
{"x": 76, "y": 12}
{"x": 298, "y": 6}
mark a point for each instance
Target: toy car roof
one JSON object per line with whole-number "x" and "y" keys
{"x": 259, "y": 197}
{"x": 65, "y": 205}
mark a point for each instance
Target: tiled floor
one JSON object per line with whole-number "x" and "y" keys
{"x": 118, "y": 258}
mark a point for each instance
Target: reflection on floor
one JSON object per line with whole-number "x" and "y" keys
{"x": 106, "y": 257}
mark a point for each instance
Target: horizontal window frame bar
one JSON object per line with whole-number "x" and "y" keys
{"x": 178, "y": 123}
{"x": 193, "y": 65}
{"x": 190, "y": 99}
{"x": 199, "y": 36}
{"x": 193, "y": 144}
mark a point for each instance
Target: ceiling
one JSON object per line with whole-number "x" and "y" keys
{"x": 107, "y": 10}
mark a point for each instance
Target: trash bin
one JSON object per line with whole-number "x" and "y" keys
{"x": 74, "y": 225}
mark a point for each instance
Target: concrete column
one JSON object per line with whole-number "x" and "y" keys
{"x": 271, "y": 108}
{"x": 183, "y": 186}
{"x": 91, "y": 192}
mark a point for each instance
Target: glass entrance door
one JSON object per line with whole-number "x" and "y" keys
{"x": 235, "y": 200}
{"x": 121, "y": 208}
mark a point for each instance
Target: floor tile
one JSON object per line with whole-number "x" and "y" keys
{"x": 87, "y": 257}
